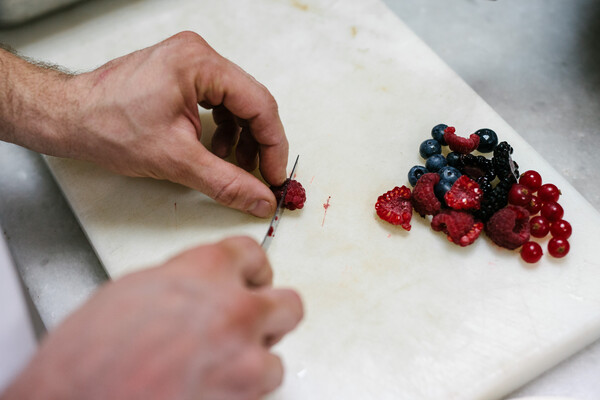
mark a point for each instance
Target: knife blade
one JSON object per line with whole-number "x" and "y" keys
{"x": 278, "y": 212}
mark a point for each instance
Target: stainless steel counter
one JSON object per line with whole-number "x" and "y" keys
{"x": 535, "y": 62}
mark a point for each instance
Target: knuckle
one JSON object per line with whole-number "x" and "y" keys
{"x": 188, "y": 48}
{"x": 244, "y": 312}
{"x": 188, "y": 36}
{"x": 245, "y": 243}
{"x": 252, "y": 365}
{"x": 207, "y": 260}
{"x": 270, "y": 101}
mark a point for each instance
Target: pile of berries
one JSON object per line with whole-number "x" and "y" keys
{"x": 467, "y": 194}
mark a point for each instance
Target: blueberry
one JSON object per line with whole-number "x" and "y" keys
{"x": 435, "y": 162}
{"x": 453, "y": 159}
{"x": 487, "y": 140}
{"x": 438, "y": 133}
{"x": 415, "y": 173}
{"x": 449, "y": 174}
{"x": 429, "y": 148}
{"x": 441, "y": 188}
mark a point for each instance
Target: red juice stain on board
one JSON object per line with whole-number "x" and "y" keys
{"x": 325, "y": 206}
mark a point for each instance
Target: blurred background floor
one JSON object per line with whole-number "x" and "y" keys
{"x": 535, "y": 62}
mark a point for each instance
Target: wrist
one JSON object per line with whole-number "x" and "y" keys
{"x": 37, "y": 110}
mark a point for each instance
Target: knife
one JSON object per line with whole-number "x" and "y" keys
{"x": 278, "y": 212}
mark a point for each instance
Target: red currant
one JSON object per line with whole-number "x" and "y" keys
{"x": 561, "y": 229}
{"x": 539, "y": 226}
{"x": 552, "y": 211}
{"x": 549, "y": 192}
{"x": 558, "y": 247}
{"x": 531, "y": 252}
{"x": 534, "y": 206}
{"x": 519, "y": 195}
{"x": 531, "y": 179}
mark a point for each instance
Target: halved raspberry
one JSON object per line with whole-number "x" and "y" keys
{"x": 509, "y": 227}
{"x": 395, "y": 207}
{"x": 423, "y": 197}
{"x": 460, "y": 226}
{"x": 465, "y": 194}
{"x": 459, "y": 144}
{"x": 295, "y": 196}
{"x": 472, "y": 235}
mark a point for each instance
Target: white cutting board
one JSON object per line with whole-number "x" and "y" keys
{"x": 389, "y": 314}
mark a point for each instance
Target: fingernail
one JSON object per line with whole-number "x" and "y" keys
{"x": 261, "y": 208}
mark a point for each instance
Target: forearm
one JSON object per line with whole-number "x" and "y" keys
{"x": 34, "y": 104}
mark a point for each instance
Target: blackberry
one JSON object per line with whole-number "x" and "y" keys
{"x": 503, "y": 164}
{"x": 476, "y": 167}
{"x": 485, "y": 184}
{"x": 496, "y": 200}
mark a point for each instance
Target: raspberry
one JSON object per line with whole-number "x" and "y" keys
{"x": 472, "y": 235}
{"x": 465, "y": 194}
{"x": 395, "y": 207}
{"x": 295, "y": 196}
{"x": 509, "y": 227}
{"x": 459, "y": 144}
{"x": 458, "y": 225}
{"x": 423, "y": 196}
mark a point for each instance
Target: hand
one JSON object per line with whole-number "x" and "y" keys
{"x": 141, "y": 119}
{"x": 138, "y": 116}
{"x": 198, "y": 327}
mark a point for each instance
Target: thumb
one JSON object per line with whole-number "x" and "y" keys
{"x": 228, "y": 184}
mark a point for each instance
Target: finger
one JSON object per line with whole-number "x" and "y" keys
{"x": 226, "y": 134}
{"x": 247, "y": 99}
{"x": 273, "y": 374}
{"x": 246, "y": 152}
{"x": 286, "y": 313}
{"x": 249, "y": 260}
{"x": 226, "y": 183}
{"x": 255, "y": 372}
{"x": 225, "y": 137}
